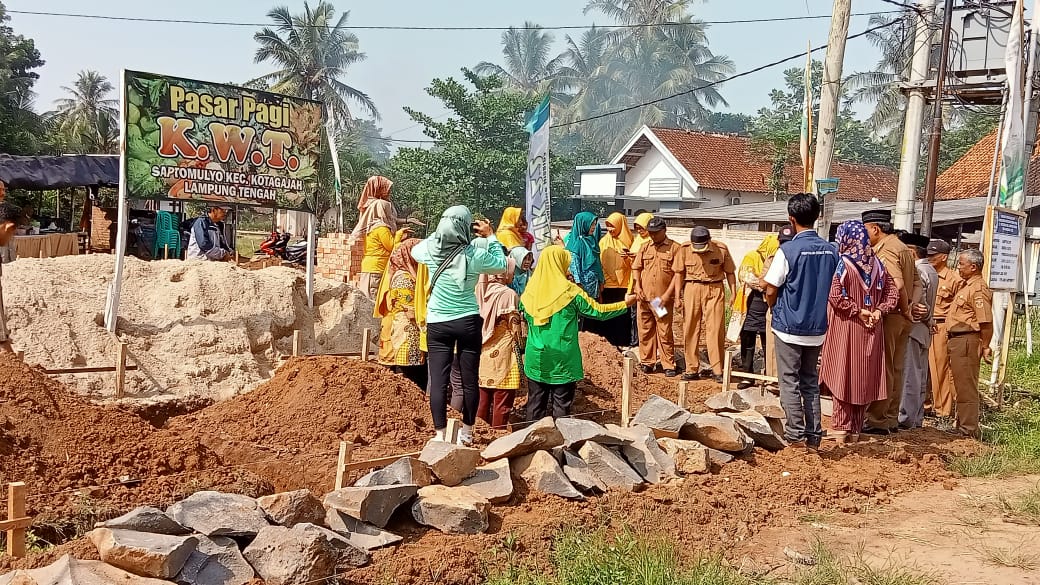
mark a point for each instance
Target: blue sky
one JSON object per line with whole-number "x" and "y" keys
{"x": 400, "y": 64}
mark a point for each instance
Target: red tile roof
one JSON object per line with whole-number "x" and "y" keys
{"x": 969, "y": 176}
{"x": 727, "y": 162}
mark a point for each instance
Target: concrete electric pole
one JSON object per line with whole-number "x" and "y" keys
{"x": 903, "y": 216}
{"x": 830, "y": 95}
{"x": 937, "y": 123}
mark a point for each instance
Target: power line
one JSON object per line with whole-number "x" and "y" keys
{"x": 112, "y": 17}
{"x": 695, "y": 89}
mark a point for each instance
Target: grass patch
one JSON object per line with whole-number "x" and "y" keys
{"x": 1016, "y": 556}
{"x": 593, "y": 557}
{"x": 1023, "y": 508}
{"x": 1023, "y": 371}
{"x": 1013, "y": 437}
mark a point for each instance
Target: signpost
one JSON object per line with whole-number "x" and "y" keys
{"x": 188, "y": 140}
{"x": 1005, "y": 231}
{"x": 825, "y": 187}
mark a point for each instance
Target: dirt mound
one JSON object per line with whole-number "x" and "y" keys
{"x": 205, "y": 329}
{"x": 58, "y": 444}
{"x": 300, "y": 415}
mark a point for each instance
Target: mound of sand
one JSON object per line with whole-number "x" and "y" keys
{"x": 196, "y": 329}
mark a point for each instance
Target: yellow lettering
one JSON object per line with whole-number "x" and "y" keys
{"x": 176, "y": 97}
{"x": 206, "y": 104}
{"x": 248, "y": 108}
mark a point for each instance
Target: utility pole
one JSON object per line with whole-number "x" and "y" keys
{"x": 937, "y": 123}
{"x": 829, "y": 98}
{"x": 903, "y": 216}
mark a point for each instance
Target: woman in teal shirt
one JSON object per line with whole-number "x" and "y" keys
{"x": 552, "y": 360}
{"x": 453, "y": 324}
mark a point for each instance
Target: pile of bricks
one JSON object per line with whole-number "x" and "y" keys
{"x": 102, "y": 229}
{"x": 337, "y": 259}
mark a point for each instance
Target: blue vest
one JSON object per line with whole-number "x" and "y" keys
{"x": 801, "y": 304}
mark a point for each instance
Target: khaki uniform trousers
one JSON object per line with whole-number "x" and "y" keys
{"x": 884, "y": 414}
{"x": 939, "y": 370}
{"x": 656, "y": 336}
{"x": 965, "y": 362}
{"x": 704, "y": 313}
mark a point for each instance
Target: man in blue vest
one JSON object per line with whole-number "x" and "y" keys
{"x": 798, "y": 284}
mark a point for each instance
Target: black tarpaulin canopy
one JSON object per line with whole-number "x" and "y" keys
{"x": 40, "y": 173}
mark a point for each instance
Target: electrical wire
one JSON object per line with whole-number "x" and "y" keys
{"x": 112, "y": 17}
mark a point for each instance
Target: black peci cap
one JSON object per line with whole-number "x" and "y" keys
{"x": 877, "y": 216}
{"x": 915, "y": 240}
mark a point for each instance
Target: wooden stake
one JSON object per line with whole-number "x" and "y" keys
{"x": 1005, "y": 347}
{"x": 166, "y": 251}
{"x": 17, "y": 522}
{"x": 727, "y": 370}
{"x": 451, "y": 434}
{"x": 296, "y": 343}
{"x": 682, "y": 394}
{"x": 626, "y": 391}
{"x": 346, "y": 449}
{"x": 121, "y": 369}
{"x": 366, "y": 340}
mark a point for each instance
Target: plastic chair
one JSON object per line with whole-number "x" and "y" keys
{"x": 166, "y": 234}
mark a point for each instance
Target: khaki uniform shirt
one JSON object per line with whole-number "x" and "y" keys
{"x": 657, "y": 264}
{"x": 972, "y": 306}
{"x": 711, "y": 265}
{"x": 900, "y": 262}
{"x": 944, "y": 295}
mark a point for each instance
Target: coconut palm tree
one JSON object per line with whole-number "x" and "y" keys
{"x": 528, "y": 65}
{"x": 583, "y": 70}
{"x": 313, "y": 51}
{"x": 88, "y": 117}
{"x": 880, "y": 87}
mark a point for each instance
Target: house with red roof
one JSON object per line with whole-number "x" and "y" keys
{"x": 668, "y": 169}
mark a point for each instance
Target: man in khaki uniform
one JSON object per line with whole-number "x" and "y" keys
{"x": 899, "y": 261}
{"x": 657, "y": 270}
{"x": 969, "y": 326}
{"x": 938, "y": 356}
{"x": 706, "y": 266}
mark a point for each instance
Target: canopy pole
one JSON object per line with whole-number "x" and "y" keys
{"x": 311, "y": 245}
{"x": 114, "y": 290}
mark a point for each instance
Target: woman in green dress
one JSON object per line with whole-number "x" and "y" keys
{"x": 552, "y": 304}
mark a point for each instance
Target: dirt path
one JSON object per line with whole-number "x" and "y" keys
{"x": 957, "y": 535}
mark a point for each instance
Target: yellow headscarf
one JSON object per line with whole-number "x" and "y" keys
{"x": 549, "y": 291}
{"x": 508, "y": 235}
{"x": 753, "y": 265}
{"x": 611, "y": 250}
{"x": 643, "y": 219}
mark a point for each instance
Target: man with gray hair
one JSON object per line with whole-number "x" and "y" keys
{"x": 970, "y": 329}
{"x": 915, "y": 368}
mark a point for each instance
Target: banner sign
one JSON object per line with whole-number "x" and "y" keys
{"x": 538, "y": 200}
{"x": 1003, "y": 239}
{"x": 198, "y": 141}
{"x": 1013, "y": 141}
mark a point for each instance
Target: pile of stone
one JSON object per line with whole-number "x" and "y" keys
{"x": 292, "y": 538}
{"x": 739, "y": 421}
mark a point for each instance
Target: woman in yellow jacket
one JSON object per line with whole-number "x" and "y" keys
{"x": 401, "y": 308}
{"x": 616, "y": 256}
{"x": 376, "y": 229}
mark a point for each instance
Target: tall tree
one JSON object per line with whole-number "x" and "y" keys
{"x": 313, "y": 51}
{"x": 88, "y": 116}
{"x": 21, "y": 128}
{"x": 481, "y": 154}
{"x": 528, "y": 65}
{"x": 880, "y": 87}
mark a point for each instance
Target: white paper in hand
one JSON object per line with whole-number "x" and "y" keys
{"x": 658, "y": 307}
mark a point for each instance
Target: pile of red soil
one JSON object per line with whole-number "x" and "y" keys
{"x": 54, "y": 442}
{"x": 289, "y": 428}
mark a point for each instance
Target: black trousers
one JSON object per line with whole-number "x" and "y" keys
{"x": 444, "y": 340}
{"x": 747, "y": 348}
{"x": 542, "y": 397}
{"x": 617, "y": 331}
{"x": 420, "y": 375}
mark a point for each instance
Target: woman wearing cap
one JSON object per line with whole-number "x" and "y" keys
{"x": 616, "y": 256}
{"x": 583, "y": 244}
{"x": 750, "y": 301}
{"x": 401, "y": 306}
{"x": 853, "y": 357}
{"x": 501, "y": 356}
{"x": 376, "y": 228}
{"x": 552, "y": 359}
{"x": 453, "y": 323}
